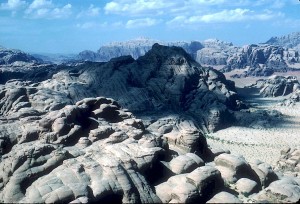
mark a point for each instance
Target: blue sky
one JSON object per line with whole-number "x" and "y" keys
{"x": 70, "y": 26}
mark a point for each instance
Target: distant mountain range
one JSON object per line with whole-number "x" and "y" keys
{"x": 136, "y": 48}
{"x": 278, "y": 54}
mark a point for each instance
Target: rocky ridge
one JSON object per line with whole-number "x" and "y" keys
{"x": 166, "y": 78}
{"x": 289, "y": 41}
{"x": 263, "y": 60}
{"x": 276, "y": 86}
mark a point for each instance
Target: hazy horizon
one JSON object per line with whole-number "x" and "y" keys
{"x": 65, "y": 26}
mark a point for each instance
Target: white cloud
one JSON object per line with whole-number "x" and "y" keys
{"x": 46, "y": 9}
{"x": 92, "y": 11}
{"x": 92, "y": 25}
{"x": 63, "y": 12}
{"x": 278, "y": 4}
{"x": 207, "y": 2}
{"x": 86, "y": 25}
{"x": 142, "y": 22}
{"x": 13, "y": 5}
{"x": 37, "y": 4}
{"x": 137, "y": 6}
{"x": 224, "y": 16}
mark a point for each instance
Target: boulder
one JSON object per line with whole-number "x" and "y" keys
{"x": 234, "y": 167}
{"x": 281, "y": 191}
{"x": 185, "y": 163}
{"x": 246, "y": 186}
{"x": 264, "y": 172}
{"x": 197, "y": 186}
{"x": 288, "y": 162}
{"x": 224, "y": 197}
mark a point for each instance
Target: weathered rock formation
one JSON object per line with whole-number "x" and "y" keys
{"x": 61, "y": 142}
{"x": 277, "y": 86}
{"x": 289, "y": 162}
{"x": 90, "y": 151}
{"x": 215, "y": 52}
{"x": 262, "y": 60}
{"x": 95, "y": 151}
{"x": 289, "y": 41}
{"x": 166, "y": 78}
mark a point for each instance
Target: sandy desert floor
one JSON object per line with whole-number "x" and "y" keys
{"x": 263, "y": 144}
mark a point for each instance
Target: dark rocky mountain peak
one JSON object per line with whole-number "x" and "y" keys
{"x": 164, "y": 79}
{"x": 11, "y": 56}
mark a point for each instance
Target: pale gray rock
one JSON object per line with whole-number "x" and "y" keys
{"x": 185, "y": 163}
{"x": 181, "y": 133}
{"x": 262, "y": 60}
{"x": 164, "y": 78}
{"x": 224, "y": 197}
{"x": 215, "y": 52}
{"x": 55, "y": 161}
{"x": 278, "y": 86}
{"x": 197, "y": 186}
{"x": 264, "y": 172}
{"x": 246, "y": 186}
{"x": 281, "y": 191}
{"x": 288, "y": 162}
{"x": 234, "y": 167}
{"x": 59, "y": 142}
